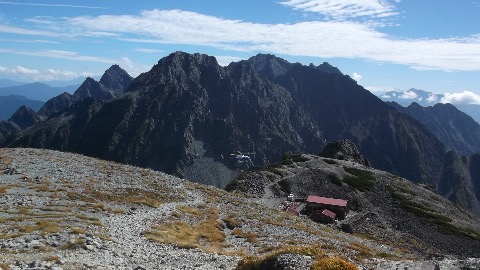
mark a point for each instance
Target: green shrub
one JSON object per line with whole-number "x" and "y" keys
{"x": 285, "y": 185}
{"x": 330, "y": 161}
{"x": 433, "y": 217}
{"x": 360, "y": 179}
{"x": 335, "y": 179}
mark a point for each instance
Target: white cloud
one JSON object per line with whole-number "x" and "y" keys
{"x": 339, "y": 9}
{"x": 356, "y": 76}
{"x": 408, "y": 95}
{"x": 465, "y": 97}
{"x": 432, "y": 98}
{"x": 226, "y": 60}
{"x": 26, "y": 71}
{"x": 377, "y": 89}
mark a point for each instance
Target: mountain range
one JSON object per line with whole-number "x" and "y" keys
{"x": 187, "y": 115}
{"x": 35, "y": 91}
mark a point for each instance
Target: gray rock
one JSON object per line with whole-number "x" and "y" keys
{"x": 294, "y": 262}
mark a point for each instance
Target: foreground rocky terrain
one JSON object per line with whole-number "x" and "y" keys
{"x": 67, "y": 211}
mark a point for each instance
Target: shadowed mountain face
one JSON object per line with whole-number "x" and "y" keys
{"x": 24, "y": 117}
{"x": 460, "y": 181}
{"x": 457, "y": 130}
{"x": 187, "y": 112}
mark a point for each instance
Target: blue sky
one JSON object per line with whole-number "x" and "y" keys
{"x": 432, "y": 45}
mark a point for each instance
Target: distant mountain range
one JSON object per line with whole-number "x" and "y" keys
{"x": 9, "y": 104}
{"x": 36, "y": 91}
{"x": 7, "y": 83}
{"x": 187, "y": 115}
{"x": 426, "y": 99}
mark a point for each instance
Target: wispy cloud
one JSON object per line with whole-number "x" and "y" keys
{"x": 312, "y": 38}
{"x": 29, "y": 41}
{"x": 344, "y": 9}
{"x": 145, "y": 50}
{"x": 321, "y": 39}
{"x": 49, "y": 5}
{"x": 42, "y": 75}
{"x": 61, "y": 55}
{"x": 31, "y": 32}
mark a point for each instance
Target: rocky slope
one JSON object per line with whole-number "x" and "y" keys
{"x": 457, "y": 130}
{"x": 382, "y": 206}
{"x": 187, "y": 112}
{"x": 66, "y": 211}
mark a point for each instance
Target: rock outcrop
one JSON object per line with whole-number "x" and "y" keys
{"x": 344, "y": 150}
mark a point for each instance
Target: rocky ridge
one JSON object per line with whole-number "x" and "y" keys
{"x": 66, "y": 211}
{"x": 187, "y": 110}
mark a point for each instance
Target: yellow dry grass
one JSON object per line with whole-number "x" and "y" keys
{"x": 320, "y": 261}
{"x": 333, "y": 263}
{"x": 207, "y": 233}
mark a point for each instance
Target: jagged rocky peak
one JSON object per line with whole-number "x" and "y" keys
{"x": 116, "y": 79}
{"x": 183, "y": 59}
{"x": 344, "y": 150}
{"x": 178, "y": 66}
{"x": 92, "y": 88}
{"x": 24, "y": 117}
{"x": 269, "y": 65}
{"x": 326, "y": 67}
{"x": 56, "y": 104}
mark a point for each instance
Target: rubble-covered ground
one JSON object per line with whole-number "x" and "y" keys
{"x": 66, "y": 211}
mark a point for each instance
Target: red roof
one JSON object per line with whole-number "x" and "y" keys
{"x": 329, "y": 213}
{"x": 326, "y": 201}
{"x": 324, "y": 213}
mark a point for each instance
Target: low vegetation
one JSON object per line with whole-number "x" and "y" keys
{"x": 442, "y": 222}
{"x": 184, "y": 234}
{"x": 320, "y": 260}
{"x": 362, "y": 180}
